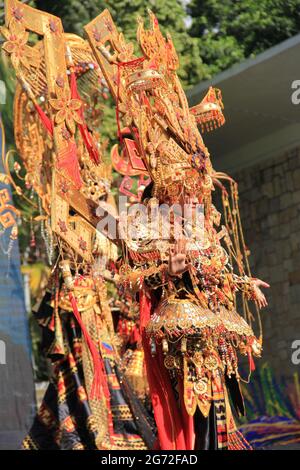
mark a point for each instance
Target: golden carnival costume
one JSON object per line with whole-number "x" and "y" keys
{"x": 192, "y": 333}
{"x": 88, "y": 404}
{"x": 190, "y": 328}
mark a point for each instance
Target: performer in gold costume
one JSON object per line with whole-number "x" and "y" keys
{"x": 186, "y": 272}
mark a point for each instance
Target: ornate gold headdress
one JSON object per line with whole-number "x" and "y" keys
{"x": 208, "y": 113}
{"x": 152, "y": 103}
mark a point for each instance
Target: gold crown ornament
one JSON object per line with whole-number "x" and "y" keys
{"x": 151, "y": 102}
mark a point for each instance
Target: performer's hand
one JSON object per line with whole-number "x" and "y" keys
{"x": 177, "y": 258}
{"x": 259, "y": 295}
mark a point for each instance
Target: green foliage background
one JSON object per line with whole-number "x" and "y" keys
{"x": 229, "y": 31}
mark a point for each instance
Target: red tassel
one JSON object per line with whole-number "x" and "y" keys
{"x": 89, "y": 143}
{"x": 99, "y": 382}
{"x": 251, "y": 361}
{"x": 47, "y": 123}
{"x": 83, "y": 129}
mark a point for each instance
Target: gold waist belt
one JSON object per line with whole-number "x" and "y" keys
{"x": 182, "y": 316}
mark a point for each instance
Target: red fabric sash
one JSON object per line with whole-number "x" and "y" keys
{"x": 174, "y": 428}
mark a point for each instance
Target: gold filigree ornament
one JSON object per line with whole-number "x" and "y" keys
{"x": 198, "y": 359}
{"x": 60, "y": 88}
{"x": 211, "y": 363}
{"x": 149, "y": 95}
{"x": 209, "y": 113}
{"x": 16, "y": 46}
{"x": 66, "y": 108}
{"x": 125, "y": 270}
{"x": 201, "y": 386}
{"x": 170, "y": 362}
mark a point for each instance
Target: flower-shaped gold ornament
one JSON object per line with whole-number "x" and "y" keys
{"x": 16, "y": 46}
{"x": 66, "y": 108}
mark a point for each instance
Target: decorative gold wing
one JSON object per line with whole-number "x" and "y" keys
{"x": 151, "y": 102}
{"x": 59, "y": 85}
